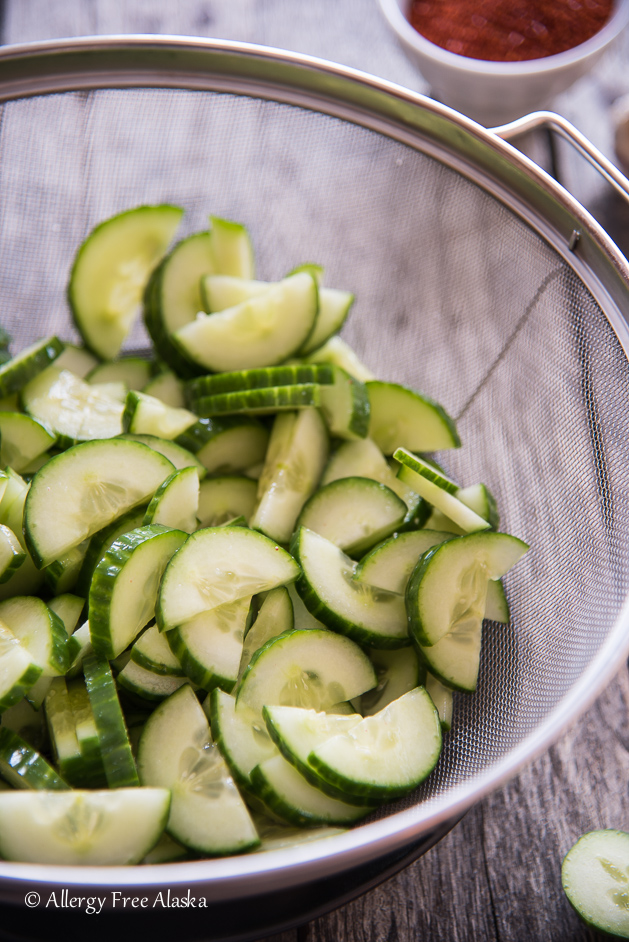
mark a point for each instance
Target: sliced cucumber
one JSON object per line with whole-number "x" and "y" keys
{"x": 176, "y": 501}
{"x": 390, "y": 564}
{"x": 314, "y": 669}
{"x": 76, "y": 359}
{"x": 134, "y": 372}
{"x": 69, "y": 608}
{"x": 232, "y": 251}
{"x": 441, "y": 696}
{"x": 92, "y": 771}
{"x": 168, "y": 388}
{"x": 293, "y": 799}
{"x": 23, "y": 440}
{"x": 297, "y": 731}
{"x": 275, "y": 617}
{"x": 145, "y": 415}
{"x": 100, "y": 543}
{"x": 334, "y": 306}
{"x": 327, "y": 586}
{"x": 223, "y": 498}
{"x": 386, "y": 755}
{"x": 19, "y": 370}
{"x": 260, "y": 401}
{"x": 363, "y": 458}
{"x": 62, "y": 574}
{"x": 404, "y": 418}
{"x": 178, "y": 456}
{"x": 595, "y": 875}
{"x": 261, "y": 332}
{"x": 24, "y": 767}
{"x": 209, "y": 646}
{"x": 216, "y": 566}
{"x": 12, "y": 554}
{"x": 40, "y": 632}
{"x": 496, "y": 605}
{"x": 148, "y": 685}
{"x": 78, "y": 828}
{"x": 82, "y": 490}
{"x": 227, "y": 445}
{"x": 338, "y": 352}
{"x": 398, "y": 672}
{"x": 447, "y": 590}
{"x": 61, "y": 725}
{"x": 295, "y": 458}
{"x": 447, "y": 503}
{"x": 353, "y": 513}
{"x": 176, "y": 752}
{"x": 152, "y": 652}
{"x": 111, "y": 270}
{"x": 172, "y": 298}
{"x": 345, "y": 406}
{"x": 260, "y": 378}
{"x": 241, "y": 735}
{"x": 113, "y": 737}
{"x": 125, "y": 584}
{"x": 28, "y": 723}
{"x": 219, "y": 292}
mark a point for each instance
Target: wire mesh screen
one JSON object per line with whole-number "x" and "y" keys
{"x": 455, "y": 296}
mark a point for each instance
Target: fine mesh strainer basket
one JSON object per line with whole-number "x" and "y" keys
{"x": 477, "y": 279}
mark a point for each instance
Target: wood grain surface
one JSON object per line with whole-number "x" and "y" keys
{"x": 496, "y": 876}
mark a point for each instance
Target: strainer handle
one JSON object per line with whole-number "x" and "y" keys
{"x": 550, "y": 121}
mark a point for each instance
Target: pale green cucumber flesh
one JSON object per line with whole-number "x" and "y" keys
{"x": 327, "y": 586}
{"x": 385, "y": 755}
{"x": 110, "y": 272}
{"x": 310, "y": 668}
{"x": 84, "y": 489}
{"x": 594, "y": 876}
{"x": 79, "y": 828}
{"x": 216, "y": 566}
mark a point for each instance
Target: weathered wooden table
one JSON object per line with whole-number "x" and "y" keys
{"x": 496, "y": 876}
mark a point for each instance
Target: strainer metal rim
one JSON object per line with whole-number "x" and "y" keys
{"x": 264, "y": 72}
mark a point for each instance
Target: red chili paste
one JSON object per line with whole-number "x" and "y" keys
{"x": 508, "y": 30}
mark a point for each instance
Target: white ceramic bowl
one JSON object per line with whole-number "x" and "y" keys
{"x": 494, "y": 93}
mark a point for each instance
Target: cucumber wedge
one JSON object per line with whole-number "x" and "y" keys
{"x": 125, "y": 584}
{"x": 292, "y": 798}
{"x": 241, "y": 735}
{"x": 261, "y": 332}
{"x": 209, "y": 646}
{"x": 23, "y": 767}
{"x": 23, "y": 439}
{"x": 74, "y": 410}
{"x": 353, "y": 513}
{"x": 113, "y": 738}
{"x": 78, "y": 828}
{"x": 111, "y": 270}
{"x": 404, "y": 418}
{"x": 296, "y": 456}
{"x": 19, "y": 370}
{"x": 448, "y": 588}
{"x": 226, "y": 444}
{"x": 216, "y": 566}
{"x": 176, "y": 752}
{"x": 314, "y": 669}
{"x": 297, "y": 731}
{"x": 386, "y": 755}
{"x": 329, "y": 591}
{"x": 82, "y": 490}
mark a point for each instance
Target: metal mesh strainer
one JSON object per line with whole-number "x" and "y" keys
{"x": 457, "y": 251}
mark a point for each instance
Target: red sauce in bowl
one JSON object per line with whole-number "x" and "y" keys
{"x": 508, "y": 30}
